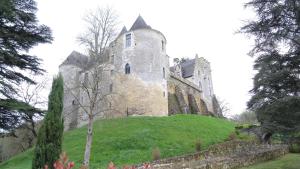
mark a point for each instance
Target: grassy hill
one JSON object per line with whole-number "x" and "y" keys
{"x": 131, "y": 140}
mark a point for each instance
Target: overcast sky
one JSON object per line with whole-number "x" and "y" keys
{"x": 205, "y": 27}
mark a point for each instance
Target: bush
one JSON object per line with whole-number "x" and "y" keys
{"x": 294, "y": 148}
{"x": 198, "y": 146}
{"x": 156, "y": 154}
{"x": 232, "y": 136}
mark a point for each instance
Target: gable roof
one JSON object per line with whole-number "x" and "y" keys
{"x": 139, "y": 24}
{"x": 187, "y": 68}
{"x": 77, "y": 59}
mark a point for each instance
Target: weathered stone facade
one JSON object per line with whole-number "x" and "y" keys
{"x": 136, "y": 72}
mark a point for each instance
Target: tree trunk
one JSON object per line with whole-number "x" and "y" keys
{"x": 88, "y": 145}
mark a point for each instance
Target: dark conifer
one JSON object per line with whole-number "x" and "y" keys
{"x": 49, "y": 142}
{"x": 19, "y": 32}
{"x": 276, "y": 91}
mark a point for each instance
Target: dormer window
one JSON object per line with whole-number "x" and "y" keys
{"x": 128, "y": 40}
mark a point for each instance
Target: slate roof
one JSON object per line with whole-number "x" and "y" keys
{"x": 124, "y": 30}
{"x": 139, "y": 24}
{"x": 77, "y": 59}
{"x": 187, "y": 68}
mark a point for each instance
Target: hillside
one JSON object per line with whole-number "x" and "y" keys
{"x": 131, "y": 140}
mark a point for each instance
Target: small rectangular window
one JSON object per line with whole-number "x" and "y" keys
{"x": 128, "y": 40}
{"x": 86, "y": 79}
{"x": 111, "y": 87}
{"x": 112, "y": 58}
{"x": 162, "y": 45}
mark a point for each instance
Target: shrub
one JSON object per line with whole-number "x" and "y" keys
{"x": 198, "y": 145}
{"x": 294, "y": 148}
{"x": 232, "y": 136}
{"x": 156, "y": 154}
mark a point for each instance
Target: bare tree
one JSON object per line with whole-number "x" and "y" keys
{"x": 33, "y": 95}
{"x": 223, "y": 107}
{"x": 100, "y": 31}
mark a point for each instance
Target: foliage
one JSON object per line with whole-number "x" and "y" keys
{"x": 14, "y": 113}
{"x": 49, "y": 142}
{"x": 294, "y": 148}
{"x": 290, "y": 161}
{"x": 281, "y": 116}
{"x": 277, "y": 51}
{"x": 130, "y": 140}
{"x": 19, "y": 31}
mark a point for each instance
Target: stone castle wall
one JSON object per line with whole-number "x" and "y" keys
{"x": 185, "y": 97}
{"x": 228, "y": 155}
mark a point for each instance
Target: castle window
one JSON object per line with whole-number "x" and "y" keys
{"x": 127, "y": 68}
{"x": 112, "y": 58}
{"x": 73, "y": 102}
{"x": 128, "y": 40}
{"x": 164, "y": 73}
{"x": 164, "y": 94}
{"x": 162, "y": 45}
{"x": 111, "y": 87}
{"x": 111, "y": 72}
{"x": 86, "y": 79}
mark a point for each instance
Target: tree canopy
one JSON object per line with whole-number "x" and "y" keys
{"x": 277, "y": 60}
{"x": 19, "y": 32}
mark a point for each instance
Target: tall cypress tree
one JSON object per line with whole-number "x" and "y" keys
{"x": 49, "y": 142}
{"x": 276, "y": 91}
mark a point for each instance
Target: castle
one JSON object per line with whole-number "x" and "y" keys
{"x": 138, "y": 79}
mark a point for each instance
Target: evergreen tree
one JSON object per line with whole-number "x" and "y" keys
{"x": 49, "y": 142}
{"x": 277, "y": 51}
{"x": 19, "y": 31}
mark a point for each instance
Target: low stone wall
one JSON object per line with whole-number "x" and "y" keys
{"x": 229, "y": 155}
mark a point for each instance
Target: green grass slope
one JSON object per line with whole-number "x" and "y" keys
{"x": 290, "y": 161}
{"x": 131, "y": 140}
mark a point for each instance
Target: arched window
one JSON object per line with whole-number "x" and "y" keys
{"x": 127, "y": 68}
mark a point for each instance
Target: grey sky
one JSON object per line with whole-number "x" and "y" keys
{"x": 191, "y": 26}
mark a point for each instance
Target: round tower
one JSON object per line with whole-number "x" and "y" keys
{"x": 140, "y": 54}
{"x": 71, "y": 70}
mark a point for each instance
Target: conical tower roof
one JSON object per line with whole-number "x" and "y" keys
{"x": 124, "y": 30}
{"x": 139, "y": 24}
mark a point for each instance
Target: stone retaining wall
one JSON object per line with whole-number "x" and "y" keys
{"x": 228, "y": 155}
